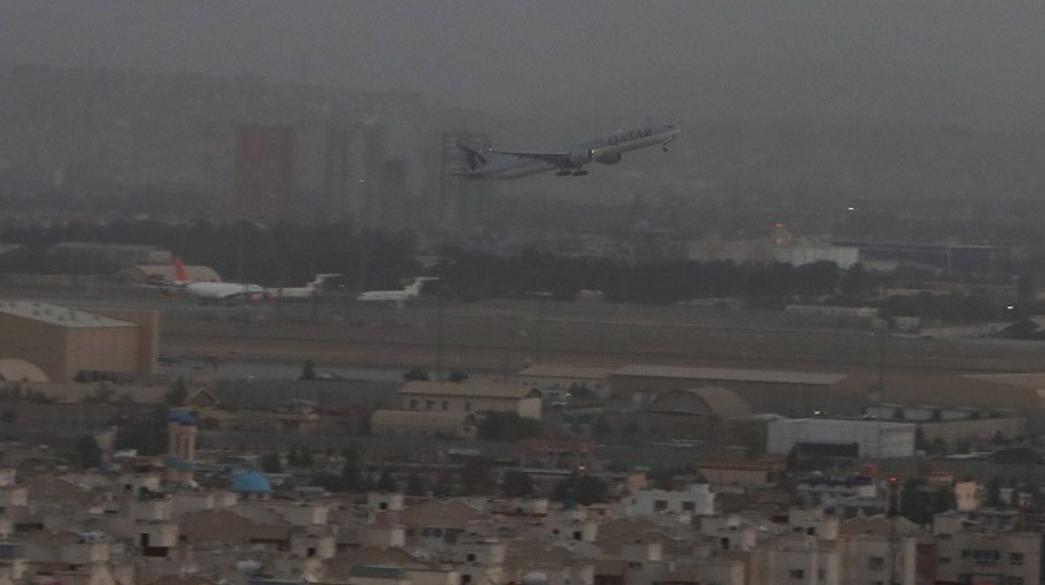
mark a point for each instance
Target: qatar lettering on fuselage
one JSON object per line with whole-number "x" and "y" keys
{"x": 627, "y": 136}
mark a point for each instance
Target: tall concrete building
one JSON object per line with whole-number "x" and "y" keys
{"x": 264, "y": 172}
{"x": 355, "y": 169}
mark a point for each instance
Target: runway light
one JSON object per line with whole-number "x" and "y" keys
{"x": 852, "y": 209}
{"x": 1009, "y": 307}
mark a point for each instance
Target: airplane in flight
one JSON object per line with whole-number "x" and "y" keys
{"x": 411, "y": 292}
{"x": 566, "y": 162}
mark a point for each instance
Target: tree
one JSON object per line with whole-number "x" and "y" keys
{"x": 146, "y": 434}
{"x": 581, "y": 489}
{"x": 272, "y": 463}
{"x": 415, "y": 485}
{"x": 308, "y": 370}
{"x": 178, "y": 394}
{"x": 386, "y": 483}
{"x": 508, "y": 426}
{"x": 416, "y": 374}
{"x": 88, "y": 451}
{"x": 352, "y": 476}
{"x": 516, "y": 484}
{"x": 477, "y": 476}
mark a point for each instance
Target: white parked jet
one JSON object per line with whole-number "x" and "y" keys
{"x": 321, "y": 283}
{"x": 399, "y": 297}
{"x": 566, "y": 161}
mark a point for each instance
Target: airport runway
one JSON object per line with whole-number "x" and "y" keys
{"x": 509, "y": 334}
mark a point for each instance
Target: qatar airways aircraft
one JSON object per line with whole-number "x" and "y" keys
{"x": 567, "y": 161}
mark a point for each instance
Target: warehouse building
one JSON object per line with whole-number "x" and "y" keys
{"x": 65, "y": 343}
{"x": 848, "y": 437}
{"x": 783, "y": 392}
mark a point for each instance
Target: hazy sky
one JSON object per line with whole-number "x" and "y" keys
{"x": 976, "y": 61}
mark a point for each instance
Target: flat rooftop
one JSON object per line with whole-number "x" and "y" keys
{"x": 60, "y": 316}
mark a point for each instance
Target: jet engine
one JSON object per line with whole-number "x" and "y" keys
{"x": 607, "y": 158}
{"x": 580, "y": 157}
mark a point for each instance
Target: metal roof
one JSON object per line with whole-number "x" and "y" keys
{"x": 476, "y": 388}
{"x": 731, "y": 375}
{"x": 60, "y": 316}
{"x": 574, "y": 372}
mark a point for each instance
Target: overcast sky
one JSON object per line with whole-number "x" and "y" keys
{"x": 966, "y": 61}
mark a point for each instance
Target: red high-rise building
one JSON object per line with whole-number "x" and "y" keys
{"x": 264, "y": 172}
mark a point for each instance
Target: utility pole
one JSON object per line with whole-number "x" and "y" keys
{"x": 894, "y": 536}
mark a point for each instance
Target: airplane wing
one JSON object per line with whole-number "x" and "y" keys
{"x": 560, "y": 159}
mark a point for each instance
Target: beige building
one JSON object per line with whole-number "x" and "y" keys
{"x": 471, "y": 396}
{"x": 64, "y": 342}
{"x": 425, "y": 424}
{"x": 970, "y": 555}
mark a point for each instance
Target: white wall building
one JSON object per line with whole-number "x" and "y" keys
{"x": 694, "y": 500}
{"x": 871, "y": 438}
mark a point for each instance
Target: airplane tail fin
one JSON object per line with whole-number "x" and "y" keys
{"x": 473, "y": 157}
{"x": 181, "y": 275}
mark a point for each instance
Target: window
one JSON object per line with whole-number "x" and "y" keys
{"x": 578, "y": 535}
{"x": 689, "y": 506}
{"x": 796, "y": 574}
{"x": 466, "y": 579}
{"x": 876, "y": 563}
{"x": 413, "y": 404}
{"x": 468, "y": 406}
{"x": 429, "y": 404}
{"x": 1015, "y": 558}
{"x": 470, "y": 558}
{"x": 1014, "y": 581}
{"x": 446, "y": 405}
{"x": 660, "y": 505}
{"x": 811, "y": 531}
{"x": 310, "y": 552}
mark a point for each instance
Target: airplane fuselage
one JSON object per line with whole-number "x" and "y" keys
{"x": 605, "y": 150}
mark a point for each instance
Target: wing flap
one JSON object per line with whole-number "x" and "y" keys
{"x": 558, "y": 158}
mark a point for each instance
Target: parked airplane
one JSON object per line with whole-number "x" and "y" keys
{"x": 229, "y": 292}
{"x": 399, "y": 297}
{"x": 567, "y": 161}
{"x": 211, "y": 292}
{"x": 321, "y": 283}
